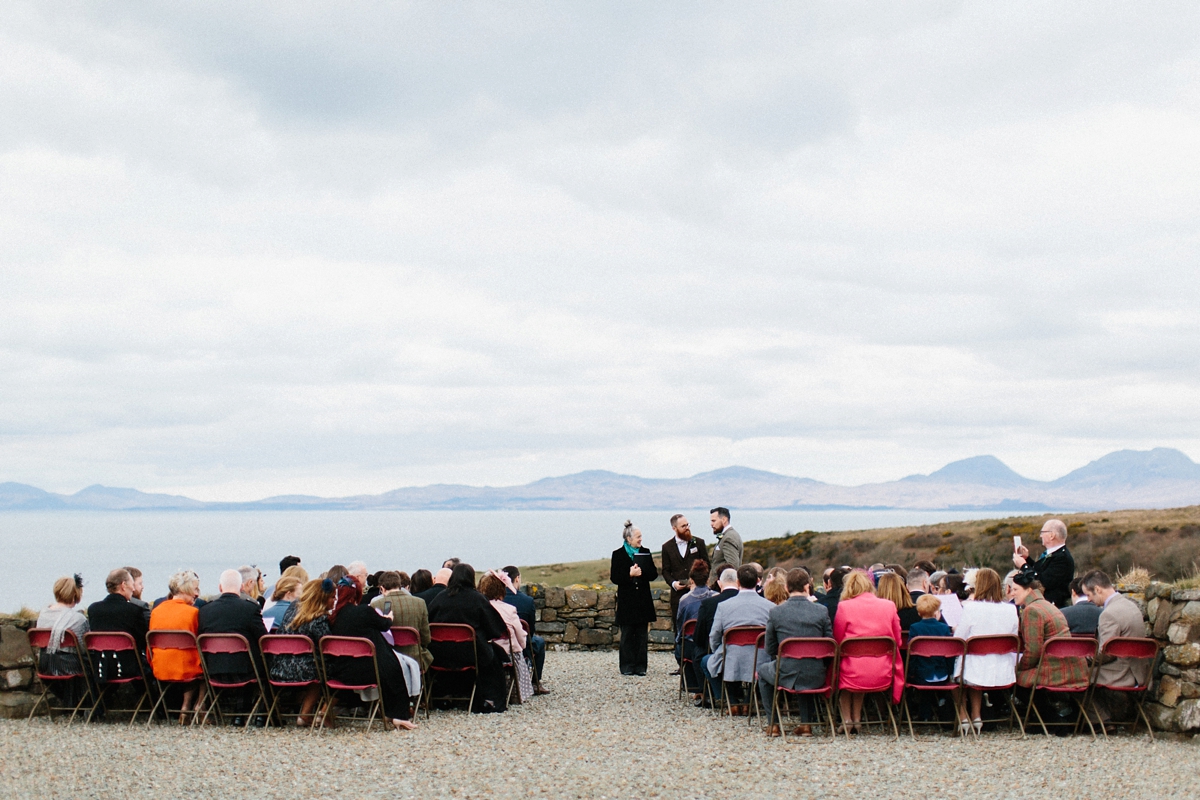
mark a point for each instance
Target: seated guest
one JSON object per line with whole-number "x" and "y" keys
{"x": 524, "y": 604}
{"x": 177, "y": 613}
{"x": 950, "y": 593}
{"x": 917, "y": 582}
{"x": 492, "y": 587}
{"x": 307, "y": 616}
{"x": 422, "y": 580}
{"x": 1083, "y": 616}
{"x": 861, "y": 613}
{"x": 746, "y": 608}
{"x": 286, "y": 563}
{"x": 336, "y": 573}
{"x": 116, "y": 614}
{"x": 892, "y": 587}
{"x": 987, "y": 615}
{"x": 460, "y": 602}
{"x": 798, "y": 616}
{"x": 928, "y": 670}
{"x": 286, "y": 592}
{"x": 727, "y": 583}
{"x": 689, "y": 609}
{"x": 397, "y": 684}
{"x": 231, "y": 613}
{"x": 373, "y": 589}
{"x": 407, "y": 612}
{"x": 296, "y": 571}
{"x": 440, "y": 581}
{"x": 1041, "y": 621}
{"x": 774, "y": 587}
{"x": 252, "y": 587}
{"x": 833, "y": 592}
{"x": 1119, "y": 617}
{"x": 62, "y": 616}
{"x": 357, "y": 571}
{"x": 138, "y": 586}
{"x": 1008, "y": 586}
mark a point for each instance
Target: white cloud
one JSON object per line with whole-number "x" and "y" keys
{"x": 250, "y": 250}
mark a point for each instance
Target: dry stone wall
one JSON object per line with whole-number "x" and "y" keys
{"x": 579, "y": 618}
{"x": 19, "y": 687}
{"x": 1173, "y": 617}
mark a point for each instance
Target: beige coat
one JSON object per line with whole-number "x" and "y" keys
{"x": 1122, "y": 617}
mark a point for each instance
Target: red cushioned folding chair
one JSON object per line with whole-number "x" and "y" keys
{"x": 405, "y": 636}
{"x": 866, "y": 647}
{"x": 101, "y": 643}
{"x": 452, "y": 633}
{"x": 998, "y": 644}
{"x": 274, "y": 645}
{"x": 171, "y": 640}
{"x": 358, "y": 648}
{"x": 737, "y": 636}
{"x": 931, "y": 647}
{"x": 1134, "y": 647}
{"x": 685, "y": 663}
{"x": 1063, "y": 647}
{"x": 230, "y": 644}
{"x": 39, "y": 638}
{"x": 795, "y": 649}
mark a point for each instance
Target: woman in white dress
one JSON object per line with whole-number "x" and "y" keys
{"x": 986, "y": 615}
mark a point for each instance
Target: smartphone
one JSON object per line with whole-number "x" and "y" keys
{"x": 1016, "y": 543}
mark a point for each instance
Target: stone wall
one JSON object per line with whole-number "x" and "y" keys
{"x": 1173, "y": 617}
{"x": 585, "y": 619}
{"x": 19, "y": 688}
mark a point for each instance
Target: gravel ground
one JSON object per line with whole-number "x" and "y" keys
{"x": 598, "y": 735}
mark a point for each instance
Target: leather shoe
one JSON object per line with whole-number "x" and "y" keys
{"x": 674, "y": 672}
{"x": 239, "y": 722}
{"x": 539, "y": 689}
{"x": 702, "y": 704}
{"x": 802, "y": 730}
{"x": 774, "y": 731}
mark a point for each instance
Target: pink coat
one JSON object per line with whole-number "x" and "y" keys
{"x": 868, "y": 615}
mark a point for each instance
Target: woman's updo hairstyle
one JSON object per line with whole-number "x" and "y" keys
{"x": 628, "y": 533}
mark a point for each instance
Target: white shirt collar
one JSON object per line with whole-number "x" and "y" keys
{"x": 1056, "y": 547}
{"x": 682, "y": 545}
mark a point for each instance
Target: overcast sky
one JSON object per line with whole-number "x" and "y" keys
{"x": 256, "y": 249}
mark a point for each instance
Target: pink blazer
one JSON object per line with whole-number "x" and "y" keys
{"x": 868, "y": 615}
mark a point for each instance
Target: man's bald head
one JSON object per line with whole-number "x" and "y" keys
{"x": 1056, "y": 527}
{"x": 231, "y": 581}
{"x": 442, "y": 577}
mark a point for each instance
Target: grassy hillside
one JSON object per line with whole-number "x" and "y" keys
{"x": 1166, "y": 542}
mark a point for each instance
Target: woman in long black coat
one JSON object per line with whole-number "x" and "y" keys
{"x": 351, "y": 619}
{"x": 632, "y": 571}
{"x": 461, "y": 602}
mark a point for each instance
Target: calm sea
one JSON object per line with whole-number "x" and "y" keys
{"x": 40, "y": 546}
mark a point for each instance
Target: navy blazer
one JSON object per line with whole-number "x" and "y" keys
{"x": 229, "y": 613}
{"x": 523, "y": 603}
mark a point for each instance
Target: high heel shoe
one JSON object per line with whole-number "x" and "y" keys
{"x": 964, "y": 726}
{"x": 977, "y": 723}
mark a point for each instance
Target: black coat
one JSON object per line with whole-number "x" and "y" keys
{"x": 469, "y": 607}
{"x": 635, "y": 604}
{"x": 705, "y": 617}
{"x": 115, "y": 614}
{"x": 229, "y": 613}
{"x": 1056, "y": 571}
{"x": 431, "y": 592}
{"x": 366, "y": 623}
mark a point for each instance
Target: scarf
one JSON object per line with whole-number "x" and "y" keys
{"x": 631, "y": 551}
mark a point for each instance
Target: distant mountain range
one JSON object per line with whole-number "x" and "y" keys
{"x": 1157, "y": 478}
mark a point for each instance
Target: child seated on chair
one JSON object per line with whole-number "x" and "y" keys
{"x": 929, "y": 669}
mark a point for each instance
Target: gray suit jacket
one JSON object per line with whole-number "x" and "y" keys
{"x": 727, "y": 553}
{"x": 746, "y": 608}
{"x": 1082, "y": 617}
{"x": 798, "y": 616}
{"x": 1122, "y": 617}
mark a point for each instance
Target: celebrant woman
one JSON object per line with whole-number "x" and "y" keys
{"x": 632, "y": 571}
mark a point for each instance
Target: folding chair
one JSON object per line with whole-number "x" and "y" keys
{"x": 404, "y": 636}
{"x": 737, "y": 636}
{"x": 931, "y": 647}
{"x": 452, "y": 633}
{"x": 1126, "y": 647}
{"x": 274, "y": 645}
{"x": 760, "y": 646}
{"x": 867, "y": 647}
{"x": 1063, "y": 647}
{"x": 528, "y": 652}
{"x": 353, "y": 647}
{"x": 229, "y": 644}
{"x": 797, "y": 648}
{"x": 39, "y": 639}
{"x": 998, "y": 644}
{"x": 169, "y": 640}
{"x": 685, "y": 663}
{"x": 100, "y": 642}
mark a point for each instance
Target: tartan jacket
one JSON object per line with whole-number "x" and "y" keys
{"x": 1041, "y": 621}
{"x": 410, "y": 612}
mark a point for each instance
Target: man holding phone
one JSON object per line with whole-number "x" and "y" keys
{"x": 1056, "y": 567}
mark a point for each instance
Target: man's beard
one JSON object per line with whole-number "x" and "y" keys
{"x": 685, "y": 535}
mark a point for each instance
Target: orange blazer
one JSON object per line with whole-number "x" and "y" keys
{"x": 176, "y": 614}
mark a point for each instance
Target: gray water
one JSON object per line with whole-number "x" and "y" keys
{"x": 40, "y": 546}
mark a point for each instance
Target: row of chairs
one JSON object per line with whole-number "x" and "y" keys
{"x": 1083, "y": 695}
{"x": 267, "y": 692}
